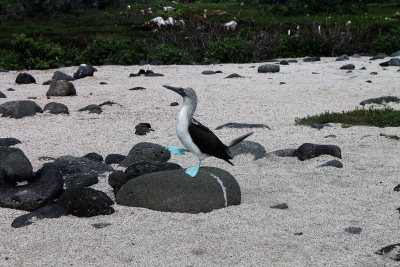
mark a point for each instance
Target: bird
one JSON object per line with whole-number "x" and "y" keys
{"x": 195, "y": 137}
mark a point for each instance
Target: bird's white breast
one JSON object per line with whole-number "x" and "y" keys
{"x": 182, "y": 131}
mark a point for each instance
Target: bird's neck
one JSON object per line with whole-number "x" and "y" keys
{"x": 185, "y": 116}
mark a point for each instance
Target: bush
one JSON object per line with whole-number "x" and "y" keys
{"x": 230, "y": 50}
{"x": 169, "y": 55}
{"x": 115, "y": 50}
{"x": 387, "y": 43}
{"x": 40, "y": 54}
{"x": 302, "y": 7}
{"x": 293, "y": 46}
{"x": 9, "y": 60}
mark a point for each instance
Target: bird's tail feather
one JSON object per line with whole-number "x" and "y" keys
{"x": 239, "y": 139}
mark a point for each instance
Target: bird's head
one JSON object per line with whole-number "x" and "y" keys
{"x": 186, "y": 93}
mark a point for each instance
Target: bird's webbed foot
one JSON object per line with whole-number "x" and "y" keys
{"x": 193, "y": 171}
{"x": 177, "y": 151}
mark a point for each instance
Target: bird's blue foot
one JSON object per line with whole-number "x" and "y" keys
{"x": 192, "y": 171}
{"x": 177, "y": 151}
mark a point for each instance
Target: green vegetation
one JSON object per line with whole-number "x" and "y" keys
{"x": 386, "y": 117}
{"x": 234, "y": 50}
{"x": 72, "y": 32}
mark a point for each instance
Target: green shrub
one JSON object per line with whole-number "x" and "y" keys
{"x": 115, "y": 50}
{"x": 293, "y": 46}
{"x": 387, "y": 43}
{"x": 9, "y": 60}
{"x": 40, "y": 54}
{"x": 302, "y": 7}
{"x": 229, "y": 50}
{"x": 386, "y": 117}
{"x": 169, "y": 55}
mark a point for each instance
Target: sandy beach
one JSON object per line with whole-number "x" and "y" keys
{"x": 323, "y": 201}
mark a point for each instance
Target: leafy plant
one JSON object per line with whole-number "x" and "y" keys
{"x": 386, "y": 117}
{"x": 114, "y": 50}
{"x": 169, "y": 55}
{"x": 229, "y": 50}
{"x": 387, "y": 43}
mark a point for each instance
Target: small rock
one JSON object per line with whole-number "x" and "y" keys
{"x": 86, "y": 202}
{"x": 114, "y": 159}
{"x": 58, "y": 75}
{"x": 84, "y": 70}
{"x": 342, "y": 58}
{"x": 380, "y": 100}
{"x": 284, "y": 62}
{"x": 137, "y": 88}
{"x": 174, "y": 104}
{"x": 233, "y": 75}
{"x": 391, "y": 62}
{"x": 94, "y": 156}
{"x": 314, "y": 72}
{"x": 153, "y": 74}
{"x": 19, "y": 109}
{"x": 282, "y": 206}
{"x": 292, "y": 61}
{"x": 368, "y": 81}
{"x": 353, "y": 230}
{"x": 10, "y": 89}
{"x": 2, "y": 95}
{"x": 49, "y": 211}
{"x": 392, "y": 251}
{"x": 363, "y": 68}
{"x": 56, "y": 108}
{"x": 25, "y": 78}
{"x": 109, "y": 103}
{"x": 330, "y": 136}
{"x": 61, "y": 88}
{"x": 320, "y": 126}
{"x": 146, "y": 152}
{"x": 102, "y": 83}
{"x": 374, "y": 73}
{"x": 101, "y": 225}
{"x": 175, "y": 191}
{"x": 298, "y": 233}
{"x": 282, "y": 83}
{"x": 235, "y": 125}
{"x": 311, "y": 59}
{"x": 308, "y": 151}
{"x": 268, "y": 68}
{"x": 9, "y": 141}
{"x": 143, "y": 128}
{"x": 248, "y": 147}
{"x": 31, "y": 97}
{"x": 210, "y": 72}
{"x": 332, "y": 163}
{"x": 92, "y": 109}
{"x": 348, "y": 67}
{"x": 48, "y": 82}
{"x": 16, "y": 165}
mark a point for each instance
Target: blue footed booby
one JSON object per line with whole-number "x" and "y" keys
{"x": 196, "y": 137}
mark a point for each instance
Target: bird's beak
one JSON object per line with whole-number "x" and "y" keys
{"x": 179, "y": 90}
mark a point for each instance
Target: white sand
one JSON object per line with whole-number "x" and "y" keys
{"x": 322, "y": 201}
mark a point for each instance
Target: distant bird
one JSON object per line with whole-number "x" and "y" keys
{"x": 231, "y": 25}
{"x": 196, "y": 137}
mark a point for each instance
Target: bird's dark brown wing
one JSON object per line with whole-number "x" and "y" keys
{"x": 208, "y": 142}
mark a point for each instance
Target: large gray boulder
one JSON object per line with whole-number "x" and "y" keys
{"x": 61, "y": 88}
{"x": 175, "y": 191}
{"x": 16, "y": 165}
{"x": 84, "y": 70}
{"x": 268, "y": 68}
{"x": 19, "y": 109}
{"x": 24, "y": 78}
{"x": 391, "y": 62}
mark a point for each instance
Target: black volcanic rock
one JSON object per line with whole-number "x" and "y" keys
{"x": 25, "y": 78}
{"x": 49, "y": 211}
{"x": 86, "y": 202}
{"x": 308, "y": 151}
